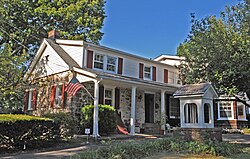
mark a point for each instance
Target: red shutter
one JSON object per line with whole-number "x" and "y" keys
{"x": 165, "y": 76}
{"x": 235, "y": 110}
{"x": 63, "y": 90}
{"x": 52, "y": 97}
{"x": 26, "y": 101}
{"x": 101, "y": 94}
{"x": 154, "y": 73}
{"x": 117, "y": 98}
{"x": 90, "y": 59}
{"x": 141, "y": 65}
{"x": 120, "y": 65}
{"x": 34, "y": 100}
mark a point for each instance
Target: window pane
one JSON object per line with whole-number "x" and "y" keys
{"x": 174, "y": 107}
{"x": 111, "y": 60}
{"x": 240, "y": 110}
{"x": 147, "y": 72}
{"x": 108, "y": 102}
{"x": 98, "y": 57}
{"x": 98, "y": 65}
{"x": 226, "y": 109}
{"x": 108, "y": 94}
{"x": 111, "y": 68}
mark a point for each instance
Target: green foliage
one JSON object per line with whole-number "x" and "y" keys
{"x": 217, "y": 50}
{"x": 11, "y": 72}
{"x": 107, "y": 118}
{"x": 68, "y": 125}
{"x": 150, "y": 147}
{"x": 34, "y": 132}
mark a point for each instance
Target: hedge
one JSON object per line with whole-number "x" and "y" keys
{"x": 142, "y": 149}
{"x": 107, "y": 118}
{"x": 19, "y": 130}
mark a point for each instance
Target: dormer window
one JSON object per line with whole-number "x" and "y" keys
{"x": 98, "y": 61}
{"x": 111, "y": 63}
{"x": 147, "y": 72}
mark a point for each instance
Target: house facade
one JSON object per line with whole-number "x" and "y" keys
{"x": 140, "y": 89}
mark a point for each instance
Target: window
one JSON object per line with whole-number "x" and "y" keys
{"x": 30, "y": 104}
{"x": 98, "y": 61}
{"x": 190, "y": 113}
{"x": 241, "y": 110}
{"x": 108, "y": 97}
{"x": 58, "y": 95}
{"x": 207, "y": 113}
{"x": 171, "y": 77}
{"x": 104, "y": 62}
{"x": 111, "y": 64}
{"x": 147, "y": 72}
{"x": 174, "y": 108}
{"x": 226, "y": 108}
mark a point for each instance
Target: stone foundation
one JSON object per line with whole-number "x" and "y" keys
{"x": 199, "y": 134}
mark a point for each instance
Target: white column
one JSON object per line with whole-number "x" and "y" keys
{"x": 132, "y": 119}
{"x": 95, "y": 123}
{"x": 163, "y": 110}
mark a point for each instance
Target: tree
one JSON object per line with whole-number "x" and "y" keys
{"x": 23, "y": 24}
{"x": 217, "y": 50}
{"x": 27, "y": 22}
{"x": 11, "y": 72}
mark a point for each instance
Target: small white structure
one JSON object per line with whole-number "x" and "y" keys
{"x": 196, "y": 105}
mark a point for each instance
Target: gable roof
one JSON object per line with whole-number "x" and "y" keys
{"x": 194, "y": 89}
{"x": 63, "y": 54}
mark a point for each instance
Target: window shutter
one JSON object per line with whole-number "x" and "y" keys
{"x": 90, "y": 59}
{"x": 141, "y": 65}
{"x": 165, "y": 76}
{"x": 26, "y": 99}
{"x": 215, "y": 110}
{"x": 63, "y": 95}
{"x": 154, "y": 73}
{"x": 34, "y": 98}
{"x": 120, "y": 65}
{"x": 101, "y": 94}
{"x": 52, "y": 97}
{"x": 235, "y": 110}
{"x": 117, "y": 98}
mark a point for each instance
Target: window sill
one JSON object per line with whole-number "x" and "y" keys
{"x": 226, "y": 119}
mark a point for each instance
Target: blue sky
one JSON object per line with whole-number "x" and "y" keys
{"x": 152, "y": 27}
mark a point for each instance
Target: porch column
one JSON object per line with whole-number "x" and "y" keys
{"x": 132, "y": 119}
{"x": 95, "y": 123}
{"x": 163, "y": 111}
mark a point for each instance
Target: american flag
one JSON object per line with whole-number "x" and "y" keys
{"x": 73, "y": 86}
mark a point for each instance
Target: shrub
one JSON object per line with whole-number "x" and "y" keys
{"x": 68, "y": 125}
{"x": 141, "y": 149}
{"x": 107, "y": 119}
{"x": 19, "y": 130}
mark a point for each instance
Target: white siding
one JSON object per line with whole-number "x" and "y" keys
{"x": 76, "y": 52}
{"x": 54, "y": 64}
{"x": 130, "y": 68}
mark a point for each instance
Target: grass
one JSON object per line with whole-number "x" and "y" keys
{"x": 16, "y": 117}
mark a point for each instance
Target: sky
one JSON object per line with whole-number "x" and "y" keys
{"x": 150, "y": 28}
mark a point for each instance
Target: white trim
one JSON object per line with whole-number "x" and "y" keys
{"x": 232, "y": 111}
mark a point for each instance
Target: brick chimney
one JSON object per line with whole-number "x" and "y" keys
{"x": 53, "y": 34}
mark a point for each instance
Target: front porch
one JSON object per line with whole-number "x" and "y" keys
{"x": 141, "y": 105}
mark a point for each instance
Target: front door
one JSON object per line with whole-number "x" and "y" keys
{"x": 149, "y": 108}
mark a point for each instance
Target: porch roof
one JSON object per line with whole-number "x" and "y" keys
{"x": 126, "y": 79}
{"x": 193, "y": 89}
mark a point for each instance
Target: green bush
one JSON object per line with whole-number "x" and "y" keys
{"x": 19, "y": 130}
{"x": 141, "y": 149}
{"x": 107, "y": 118}
{"x": 68, "y": 125}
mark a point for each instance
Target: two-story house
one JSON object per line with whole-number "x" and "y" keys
{"x": 139, "y": 88}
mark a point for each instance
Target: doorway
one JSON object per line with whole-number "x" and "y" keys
{"x": 149, "y": 108}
